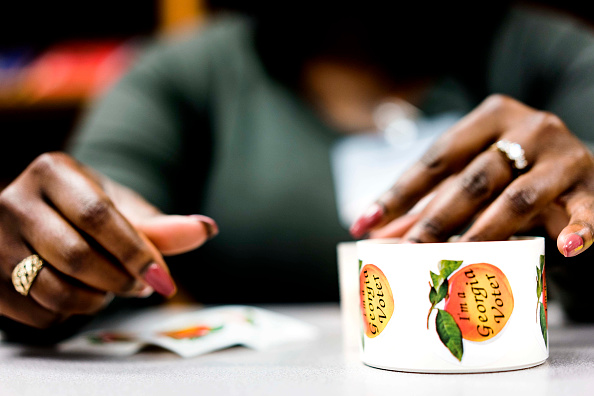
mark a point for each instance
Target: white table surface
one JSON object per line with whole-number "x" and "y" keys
{"x": 322, "y": 367}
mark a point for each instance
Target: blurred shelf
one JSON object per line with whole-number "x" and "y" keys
{"x": 65, "y": 74}
{"x": 55, "y": 58}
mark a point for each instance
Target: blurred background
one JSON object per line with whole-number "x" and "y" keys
{"x": 54, "y": 59}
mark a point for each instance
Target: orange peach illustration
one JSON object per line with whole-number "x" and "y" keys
{"x": 377, "y": 302}
{"x": 480, "y": 300}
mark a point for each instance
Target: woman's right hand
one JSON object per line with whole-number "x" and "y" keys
{"x": 96, "y": 239}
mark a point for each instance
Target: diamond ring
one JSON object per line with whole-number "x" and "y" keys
{"x": 513, "y": 152}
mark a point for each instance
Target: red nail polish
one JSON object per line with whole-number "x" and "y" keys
{"x": 212, "y": 227}
{"x": 159, "y": 280}
{"x": 573, "y": 244}
{"x": 369, "y": 219}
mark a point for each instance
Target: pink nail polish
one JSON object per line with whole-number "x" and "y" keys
{"x": 212, "y": 227}
{"x": 159, "y": 280}
{"x": 573, "y": 244}
{"x": 369, "y": 219}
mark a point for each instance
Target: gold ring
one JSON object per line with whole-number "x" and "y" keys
{"x": 513, "y": 152}
{"x": 25, "y": 273}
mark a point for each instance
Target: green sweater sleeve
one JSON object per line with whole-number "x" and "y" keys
{"x": 547, "y": 61}
{"x": 137, "y": 133}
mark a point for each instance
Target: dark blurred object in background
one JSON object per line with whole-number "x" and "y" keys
{"x": 578, "y": 8}
{"x": 55, "y": 57}
{"x": 40, "y": 23}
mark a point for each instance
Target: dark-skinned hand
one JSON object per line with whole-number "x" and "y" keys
{"x": 469, "y": 183}
{"x": 96, "y": 238}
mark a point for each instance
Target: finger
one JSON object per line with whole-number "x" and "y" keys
{"x": 80, "y": 200}
{"x": 448, "y": 155}
{"x": 14, "y": 305}
{"x": 578, "y": 235}
{"x": 396, "y": 228}
{"x": 154, "y": 275}
{"x": 519, "y": 202}
{"x": 59, "y": 243}
{"x": 177, "y": 234}
{"x": 23, "y": 309}
{"x": 454, "y": 206}
{"x": 51, "y": 291}
{"x": 553, "y": 218}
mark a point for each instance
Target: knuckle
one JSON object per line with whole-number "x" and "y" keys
{"x": 434, "y": 157}
{"x": 433, "y": 228}
{"x": 550, "y": 122}
{"x": 15, "y": 208}
{"x": 476, "y": 183}
{"x": 496, "y": 102}
{"x": 76, "y": 255}
{"x": 46, "y": 163}
{"x": 135, "y": 253}
{"x": 522, "y": 200}
{"x": 581, "y": 158}
{"x": 393, "y": 198}
{"x": 545, "y": 127}
{"x": 7, "y": 200}
{"x": 95, "y": 212}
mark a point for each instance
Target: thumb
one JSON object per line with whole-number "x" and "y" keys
{"x": 577, "y": 236}
{"x": 175, "y": 234}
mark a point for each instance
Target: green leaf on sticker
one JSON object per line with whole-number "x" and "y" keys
{"x": 436, "y": 279}
{"x": 543, "y": 323}
{"x": 433, "y": 297}
{"x": 436, "y": 295}
{"x": 446, "y": 267}
{"x": 360, "y": 264}
{"x": 542, "y": 262}
{"x": 442, "y": 292}
{"x": 538, "y": 283}
{"x": 449, "y": 333}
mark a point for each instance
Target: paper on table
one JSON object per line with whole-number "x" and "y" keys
{"x": 194, "y": 333}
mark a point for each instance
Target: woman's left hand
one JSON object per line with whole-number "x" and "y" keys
{"x": 479, "y": 184}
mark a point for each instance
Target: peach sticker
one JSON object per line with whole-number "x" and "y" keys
{"x": 480, "y": 300}
{"x": 377, "y": 302}
{"x": 541, "y": 302}
{"x": 478, "y": 303}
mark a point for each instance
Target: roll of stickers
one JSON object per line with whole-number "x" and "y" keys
{"x": 453, "y": 307}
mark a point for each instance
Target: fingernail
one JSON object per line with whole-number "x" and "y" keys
{"x": 145, "y": 292}
{"x": 573, "y": 244}
{"x": 370, "y": 218}
{"x": 159, "y": 280}
{"x": 108, "y": 299}
{"x": 211, "y": 226}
